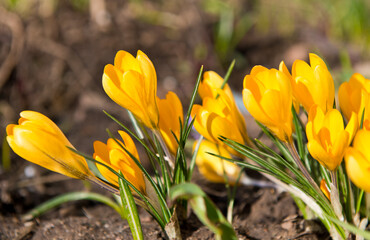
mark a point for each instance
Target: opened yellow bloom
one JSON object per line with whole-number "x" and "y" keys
{"x": 212, "y": 167}
{"x": 354, "y": 96}
{"x": 216, "y": 118}
{"x": 39, "y": 140}
{"x": 132, "y": 83}
{"x": 313, "y": 84}
{"x": 171, "y": 113}
{"x": 113, "y": 155}
{"x": 327, "y": 137}
{"x": 267, "y": 95}
{"x": 358, "y": 160}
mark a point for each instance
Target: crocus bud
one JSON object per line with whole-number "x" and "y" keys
{"x": 171, "y": 113}
{"x": 267, "y": 95}
{"x": 313, "y": 84}
{"x": 132, "y": 83}
{"x": 39, "y": 140}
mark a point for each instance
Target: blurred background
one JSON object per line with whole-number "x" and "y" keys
{"x": 53, "y": 52}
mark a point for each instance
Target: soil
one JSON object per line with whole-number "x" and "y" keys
{"x": 52, "y": 61}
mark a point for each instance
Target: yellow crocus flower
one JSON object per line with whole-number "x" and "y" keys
{"x": 212, "y": 167}
{"x": 354, "y": 97}
{"x": 210, "y": 87}
{"x": 358, "y": 160}
{"x": 313, "y": 84}
{"x": 216, "y": 118}
{"x": 267, "y": 95}
{"x": 327, "y": 137}
{"x": 132, "y": 83}
{"x": 113, "y": 155}
{"x": 171, "y": 113}
{"x": 39, "y": 140}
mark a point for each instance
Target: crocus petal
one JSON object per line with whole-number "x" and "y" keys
{"x": 171, "y": 114}
{"x": 211, "y": 83}
{"x": 352, "y": 127}
{"x": 212, "y": 167}
{"x": 254, "y": 107}
{"x": 358, "y": 168}
{"x": 125, "y": 62}
{"x": 318, "y": 153}
{"x": 115, "y": 155}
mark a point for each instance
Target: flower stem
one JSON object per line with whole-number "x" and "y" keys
{"x": 334, "y": 196}
{"x": 298, "y": 161}
{"x": 169, "y": 156}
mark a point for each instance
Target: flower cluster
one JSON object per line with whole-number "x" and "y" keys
{"x": 272, "y": 96}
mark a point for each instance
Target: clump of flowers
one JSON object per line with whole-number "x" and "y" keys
{"x": 309, "y": 163}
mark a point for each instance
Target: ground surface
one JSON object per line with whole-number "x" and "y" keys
{"x": 57, "y": 56}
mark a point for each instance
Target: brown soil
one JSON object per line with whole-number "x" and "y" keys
{"x": 258, "y": 214}
{"x": 56, "y": 69}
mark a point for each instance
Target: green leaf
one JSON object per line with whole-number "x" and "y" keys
{"x": 152, "y": 209}
{"x": 299, "y": 132}
{"x": 68, "y": 197}
{"x": 130, "y": 210}
{"x": 205, "y": 209}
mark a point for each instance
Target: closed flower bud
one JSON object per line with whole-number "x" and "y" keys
{"x": 327, "y": 137}
{"x": 313, "y": 84}
{"x": 354, "y": 97}
{"x": 37, "y": 139}
{"x": 217, "y": 118}
{"x": 211, "y": 86}
{"x": 132, "y": 83}
{"x": 267, "y": 95}
{"x": 171, "y": 113}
